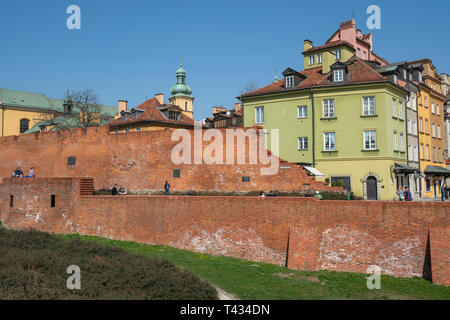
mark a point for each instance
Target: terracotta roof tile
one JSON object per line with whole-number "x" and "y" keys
{"x": 152, "y": 113}
{"x": 329, "y": 44}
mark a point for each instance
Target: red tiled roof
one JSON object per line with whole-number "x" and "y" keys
{"x": 152, "y": 113}
{"x": 329, "y": 44}
{"x": 360, "y": 72}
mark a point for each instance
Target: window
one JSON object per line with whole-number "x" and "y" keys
{"x": 400, "y": 109}
{"x": 434, "y": 154}
{"x": 358, "y": 52}
{"x": 421, "y": 152}
{"x": 328, "y": 108}
{"x": 176, "y": 173}
{"x": 370, "y": 140}
{"x": 11, "y": 201}
{"x": 439, "y": 131}
{"x": 289, "y": 81}
{"x": 311, "y": 59}
{"x": 420, "y": 124}
{"x": 433, "y": 130}
{"x": 409, "y": 127}
{"x": 432, "y": 107}
{"x": 368, "y": 106}
{"x": 414, "y": 127}
{"x": 259, "y": 114}
{"x": 395, "y": 141}
{"x": 402, "y": 145}
{"x": 414, "y": 103}
{"x": 426, "y": 125}
{"x": 395, "y": 78}
{"x": 428, "y": 184}
{"x": 174, "y": 115}
{"x": 185, "y": 106}
{"x": 71, "y": 161}
{"x": 425, "y": 102}
{"x": 24, "y": 125}
{"x": 439, "y": 154}
{"x": 338, "y": 75}
{"x": 302, "y": 111}
{"x": 410, "y": 155}
{"x": 338, "y": 54}
{"x": 319, "y": 58}
{"x": 437, "y": 109}
{"x": 427, "y": 151}
{"x": 245, "y": 179}
{"x": 404, "y": 74}
{"x": 52, "y": 201}
{"x": 329, "y": 141}
{"x": 303, "y": 143}
{"x": 394, "y": 107}
{"x": 415, "y": 155}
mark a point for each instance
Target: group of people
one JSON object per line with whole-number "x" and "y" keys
{"x": 270, "y": 194}
{"x": 19, "y": 173}
{"x": 118, "y": 191}
{"x": 404, "y": 194}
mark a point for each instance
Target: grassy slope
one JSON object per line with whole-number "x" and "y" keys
{"x": 251, "y": 280}
{"x": 33, "y": 266}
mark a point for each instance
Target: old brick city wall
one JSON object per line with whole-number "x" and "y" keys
{"x": 141, "y": 161}
{"x": 302, "y": 233}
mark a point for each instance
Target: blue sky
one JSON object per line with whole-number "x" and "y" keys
{"x": 130, "y": 49}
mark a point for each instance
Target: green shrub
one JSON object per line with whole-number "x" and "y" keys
{"x": 33, "y": 266}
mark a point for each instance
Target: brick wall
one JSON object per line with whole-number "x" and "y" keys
{"x": 303, "y": 233}
{"x": 141, "y": 161}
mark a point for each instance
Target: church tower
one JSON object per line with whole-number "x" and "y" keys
{"x": 180, "y": 94}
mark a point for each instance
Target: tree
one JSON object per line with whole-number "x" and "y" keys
{"x": 251, "y": 86}
{"x": 81, "y": 110}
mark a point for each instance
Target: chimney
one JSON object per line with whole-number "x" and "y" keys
{"x": 237, "y": 107}
{"x": 307, "y": 44}
{"x": 160, "y": 98}
{"x": 123, "y": 105}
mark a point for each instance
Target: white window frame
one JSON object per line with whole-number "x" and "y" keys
{"x": 439, "y": 155}
{"x": 302, "y": 112}
{"x": 402, "y": 143}
{"x": 328, "y": 108}
{"x": 329, "y": 147}
{"x": 409, "y": 126}
{"x": 410, "y": 154}
{"x": 369, "y": 106}
{"x": 427, "y": 151}
{"x": 438, "y": 111}
{"x": 289, "y": 82}
{"x": 433, "y": 130}
{"x": 432, "y": 107}
{"x": 338, "y": 53}
{"x": 400, "y": 109}
{"x": 311, "y": 59}
{"x": 414, "y": 127}
{"x": 394, "y": 107}
{"x": 426, "y": 126}
{"x": 259, "y": 114}
{"x": 319, "y": 57}
{"x": 368, "y": 134}
{"x": 302, "y": 143}
{"x": 395, "y": 141}
{"x": 439, "y": 131}
{"x": 415, "y": 155}
{"x": 338, "y": 75}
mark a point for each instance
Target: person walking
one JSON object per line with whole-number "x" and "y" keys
{"x": 114, "y": 190}
{"x": 443, "y": 191}
{"x": 400, "y": 194}
{"x": 407, "y": 194}
{"x": 166, "y": 188}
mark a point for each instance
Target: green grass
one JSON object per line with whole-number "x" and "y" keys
{"x": 33, "y": 265}
{"x": 252, "y": 280}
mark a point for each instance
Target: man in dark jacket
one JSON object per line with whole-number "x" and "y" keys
{"x": 114, "y": 191}
{"x": 407, "y": 194}
{"x": 166, "y": 188}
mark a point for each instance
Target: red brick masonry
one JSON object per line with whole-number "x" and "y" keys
{"x": 300, "y": 232}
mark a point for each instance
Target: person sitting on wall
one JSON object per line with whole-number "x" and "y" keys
{"x": 318, "y": 195}
{"x": 17, "y": 173}
{"x": 400, "y": 194}
{"x": 114, "y": 190}
{"x": 166, "y": 188}
{"x": 261, "y": 194}
{"x": 122, "y": 191}
{"x": 407, "y": 194}
{"x": 30, "y": 173}
{"x": 271, "y": 194}
{"x": 443, "y": 192}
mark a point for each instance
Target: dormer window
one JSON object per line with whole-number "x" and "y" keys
{"x": 174, "y": 115}
{"x": 311, "y": 59}
{"x": 289, "y": 81}
{"x": 338, "y": 75}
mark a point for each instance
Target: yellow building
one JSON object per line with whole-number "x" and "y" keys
{"x": 26, "y": 112}
{"x": 431, "y": 130}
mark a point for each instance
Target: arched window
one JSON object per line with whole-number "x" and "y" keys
{"x": 24, "y": 125}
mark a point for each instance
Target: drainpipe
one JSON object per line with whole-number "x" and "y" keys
{"x": 313, "y": 128}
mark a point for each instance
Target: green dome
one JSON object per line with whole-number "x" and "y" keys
{"x": 181, "y": 88}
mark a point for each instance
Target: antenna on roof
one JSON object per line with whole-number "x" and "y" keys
{"x": 353, "y": 13}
